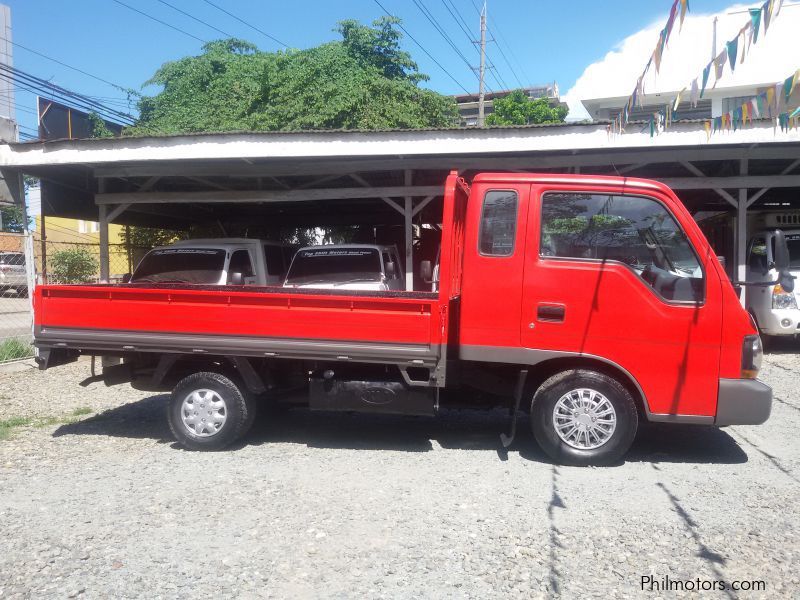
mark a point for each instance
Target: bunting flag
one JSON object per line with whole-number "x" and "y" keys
{"x": 706, "y": 71}
{"x": 769, "y": 103}
{"x": 655, "y": 58}
{"x": 765, "y": 10}
{"x": 684, "y": 8}
{"x": 755, "y": 22}
{"x": 732, "y": 46}
{"x": 695, "y": 93}
{"x": 719, "y": 65}
{"x": 678, "y": 100}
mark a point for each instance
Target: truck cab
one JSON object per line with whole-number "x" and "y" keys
{"x": 222, "y": 261}
{"x": 346, "y": 267}
{"x": 774, "y": 309}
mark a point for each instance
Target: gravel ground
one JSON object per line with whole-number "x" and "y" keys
{"x": 344, "y": 506}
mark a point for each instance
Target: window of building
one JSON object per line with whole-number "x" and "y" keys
{"x": 498, "y": 223}
{"x": 632, "y": 230}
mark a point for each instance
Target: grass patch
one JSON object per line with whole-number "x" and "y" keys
{"x": 14, "y": 349}
{"x": 7, "y": 426}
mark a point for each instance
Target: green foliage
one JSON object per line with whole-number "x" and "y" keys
{"x": 13, "y": 349}
{"x": 150, "y": 237}
{"x": 73, "y": 265}
{"x": 363, "y": 81}
{"x": 518, "y": 109}
{"x": 98, "y": 127}
{"x": 13, "y": 219}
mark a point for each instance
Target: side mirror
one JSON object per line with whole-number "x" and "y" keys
{"x": 426, "y": 271}
{"x": 235, "y": 278}
{"x": 391, "y": 272}
{"x": 126, "y": 278}
{"x": 782, "y": 261}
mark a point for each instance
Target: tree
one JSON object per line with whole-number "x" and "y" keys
{"x": 363, "y": 81}
{"x": 12, "y": 219}
{"x": 518, "y": 109}
{"x": 73, "y": 265}
{"x": 149, "y": 237}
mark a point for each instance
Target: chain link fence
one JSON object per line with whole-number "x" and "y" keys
{"x": 25, "y": 262}
{"x": 15, "y": 306}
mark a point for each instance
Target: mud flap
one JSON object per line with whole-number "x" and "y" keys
{"x": 507, "y": 440}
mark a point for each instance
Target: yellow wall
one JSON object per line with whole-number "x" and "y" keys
{"x": 62, "y": 230}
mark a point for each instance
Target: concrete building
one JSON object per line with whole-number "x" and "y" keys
{"x": 468, "y": 103}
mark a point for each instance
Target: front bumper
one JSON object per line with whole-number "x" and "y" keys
{"x": 743, "y": 402}
{"x": 771, "y": 322}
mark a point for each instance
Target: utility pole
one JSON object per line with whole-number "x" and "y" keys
{"x": 714, "y": 41}
{"x": 482, "y": 70}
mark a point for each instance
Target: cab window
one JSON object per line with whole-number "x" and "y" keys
{"x": 240, "y": 263}
{"x": 633, "y": 230}
{"x": 498, "y": 223}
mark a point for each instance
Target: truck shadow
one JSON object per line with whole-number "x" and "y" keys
{"x": 452, "y": 429}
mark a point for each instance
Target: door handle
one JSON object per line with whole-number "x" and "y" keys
{"x": 550, "y": 313}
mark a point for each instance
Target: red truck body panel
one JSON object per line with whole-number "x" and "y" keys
{"x": 674, "y": 353}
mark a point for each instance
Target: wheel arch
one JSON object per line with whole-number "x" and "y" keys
{"x": 542, "y": 371}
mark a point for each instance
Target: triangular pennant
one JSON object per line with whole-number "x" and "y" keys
{"x": 695, "y": 93}
{"x": 678, "y": 100}
{"x": 657, "y": 57}
{"x": 765, "y": 10}
{"x": 796, "y": 112}
{"x": 684, "y": 8}
{"x": 706, "y": 71}
{"x": 755, "y": 112}
{"x": 743, "y": 35}
{"x": 744, "y": 113}
{"x": 707, "y": 126}
{"x": 788, "y": 86}
{"x": 755, "y": 19}
{"x": 719, "y": 65}
{"x": 732, "y": 46}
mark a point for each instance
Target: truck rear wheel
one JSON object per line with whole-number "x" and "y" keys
{"x": 582, "y": 417}
{"x": 208, "y": 411}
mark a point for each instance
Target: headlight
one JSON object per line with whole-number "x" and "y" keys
{"x": 783, "y": 299}
{"x": 752, "y": 353}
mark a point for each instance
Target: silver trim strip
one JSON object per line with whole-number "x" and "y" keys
{"x": 105, "y": 340}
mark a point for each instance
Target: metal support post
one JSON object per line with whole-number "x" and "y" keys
{"x": 408, "y": 215}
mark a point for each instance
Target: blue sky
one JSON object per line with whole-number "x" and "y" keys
{"x": 544, "y": 41}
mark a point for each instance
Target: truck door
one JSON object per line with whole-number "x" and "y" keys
{"x": 618, "y": 276}
{"x": 493, "y": 261}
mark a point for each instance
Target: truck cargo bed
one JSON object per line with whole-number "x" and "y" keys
{"x": 386, "y": 327}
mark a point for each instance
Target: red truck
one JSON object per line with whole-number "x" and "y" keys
{"x": 596, "y": 302}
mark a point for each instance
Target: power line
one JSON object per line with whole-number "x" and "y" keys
{"x": 459, "y": 19}
{"x": 63, "y": 64}
{"x": 433, "y": 21}
{"x": 20, "y": 77}
{"x": 41, "y": 86}
{"x": 250, "y": 25}
{"x": 421, "y": 47}
{"x": 157, "y": 20}
{"x": 183, "y": 12}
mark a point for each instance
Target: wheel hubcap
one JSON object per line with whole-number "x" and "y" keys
{"x": 204, "y": 412}
{"x": 584, "y": 419}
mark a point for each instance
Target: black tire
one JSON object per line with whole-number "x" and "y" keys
{"x": 239, "y": 412}
{"x": 544, "y": 404}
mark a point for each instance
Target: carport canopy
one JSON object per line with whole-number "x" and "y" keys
{"x": 391, "y": 178}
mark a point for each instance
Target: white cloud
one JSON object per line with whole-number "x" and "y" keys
{"x": 773, "y": 58}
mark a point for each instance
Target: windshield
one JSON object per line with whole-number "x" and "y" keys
{"x": 12, "y": 258}
{"x": 341, "y": 265}
{"x": 181, "y": 265}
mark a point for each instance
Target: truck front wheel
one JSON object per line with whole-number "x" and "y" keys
{"x": 208, "y": 411}
{"x": 582, "y": 417}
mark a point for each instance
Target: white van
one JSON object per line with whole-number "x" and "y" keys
{"x": 221, "y": 261}
{"x": 346, "y": 267}
{"x": 775, "y": 310}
